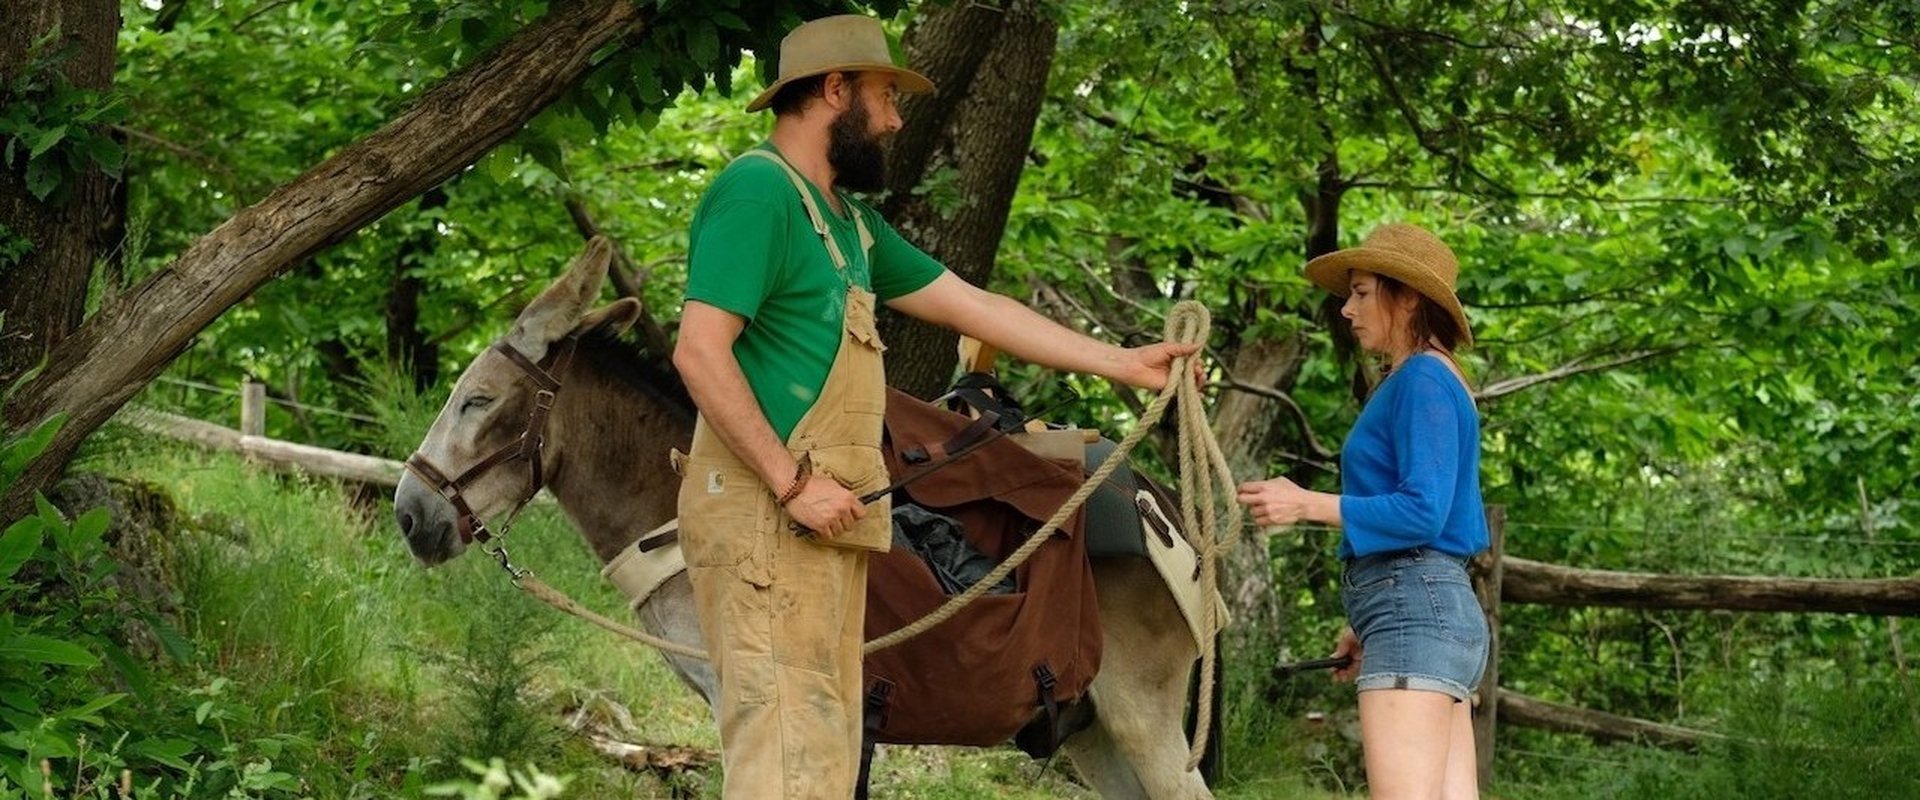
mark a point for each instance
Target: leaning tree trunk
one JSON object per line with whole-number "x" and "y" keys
{"x": 96, "y": 370}
{"x": 44, "y": 294}
{"x": 991, "y": 68}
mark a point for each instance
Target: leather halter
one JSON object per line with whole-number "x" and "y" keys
{"x": 530, "y": 445}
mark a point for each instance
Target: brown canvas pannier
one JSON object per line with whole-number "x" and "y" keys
{"x": 1009, "y": 657}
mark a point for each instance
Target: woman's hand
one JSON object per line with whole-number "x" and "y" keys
{"x": 1349, "y": 646}
{"x": 1278, "y": 501}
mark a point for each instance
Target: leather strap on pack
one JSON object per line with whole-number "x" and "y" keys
{"x": 873, "y": 720}
{"x": 813, "y": 211}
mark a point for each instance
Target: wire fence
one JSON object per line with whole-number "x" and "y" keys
{"x": 279, "y": 401}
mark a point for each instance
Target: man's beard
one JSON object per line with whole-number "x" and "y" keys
{"x": 859, "y": 161}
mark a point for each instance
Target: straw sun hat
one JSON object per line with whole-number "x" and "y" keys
{"x": 1405, "y": 253}
{"x": 844, "y": 43}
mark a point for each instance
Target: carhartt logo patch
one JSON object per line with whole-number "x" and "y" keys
{"x": 716, "y": 482}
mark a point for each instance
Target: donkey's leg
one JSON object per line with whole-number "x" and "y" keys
{"x": 1102, "y": 765}
{"x": 669, "y": 615}
{"x": 1141, "y": 691}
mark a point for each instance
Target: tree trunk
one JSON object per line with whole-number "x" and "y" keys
{"x": 408, "y": 351}
{"x": 44, "y": 295}
{"x": 135, "y": 336}
{"x": 972, "y": 137}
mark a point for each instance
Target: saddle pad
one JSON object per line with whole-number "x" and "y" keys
{"x": 638, "y": 574}
{"x": 1179, "y": 565}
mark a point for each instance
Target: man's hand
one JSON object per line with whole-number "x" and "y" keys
{"x": 1349, "y": 646}
{"x": 1147, "y": 367}
{"x": 1278, "y": 501}
{"x": 825, "y": 508}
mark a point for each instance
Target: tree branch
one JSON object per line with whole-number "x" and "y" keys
{"x": 1318, "y": 450}
{"x": 1578, "y": 366}
{"x": 1412, "y": 118}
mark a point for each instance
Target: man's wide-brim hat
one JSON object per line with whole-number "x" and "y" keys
{"x": 846, "y": 43}
{"x": 1405, "y": 253}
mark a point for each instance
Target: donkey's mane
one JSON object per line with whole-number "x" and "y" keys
{"x": 629, "y": 365}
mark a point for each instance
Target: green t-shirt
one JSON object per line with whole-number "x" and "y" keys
{"x": 752, "y": 251}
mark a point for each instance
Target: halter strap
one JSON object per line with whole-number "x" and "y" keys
{"x": 530, "y": 445}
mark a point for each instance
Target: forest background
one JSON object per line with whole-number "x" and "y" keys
{"x": 1686, "y": 230}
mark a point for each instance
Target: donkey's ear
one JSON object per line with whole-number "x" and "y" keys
{"x": 610, "y": 320}
{"x": 558, "y": 310}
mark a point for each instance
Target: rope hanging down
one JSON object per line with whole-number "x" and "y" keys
{"x": 1205, "y": 482}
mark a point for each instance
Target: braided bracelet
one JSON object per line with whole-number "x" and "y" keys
{"x": 801, "y": 472}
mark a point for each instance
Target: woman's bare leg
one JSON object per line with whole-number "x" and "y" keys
{"x": 1463, "y": 767}
{"x": 1407, "y": 735}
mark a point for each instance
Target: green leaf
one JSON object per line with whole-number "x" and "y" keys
{"x": 107, "y": 154}
{"x": 19, "y": 699}
{"x": 89, "y": 712}
{"x": 168, "y": 751}
{"x": 15, "y": 455}
{"x": 132, "y": 671}
{"x": 703, "y": 43}
{"x": 48, "y": 513}
{"x": 47, "y": 139}
{"x": 43, "y": 176}
{"x": 46, "y": 650}
{"x": 91, "y": 525}
{"x": 18, "y": 544}
{"x": 547, "y": 154}
{"x": 171, "y": 640}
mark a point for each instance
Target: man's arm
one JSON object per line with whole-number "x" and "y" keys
{"x": 705, "y": 360}
{"x": 1016, "y": 330}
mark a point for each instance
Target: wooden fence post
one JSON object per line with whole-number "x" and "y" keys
{"x": 253, "y": 408}
{"x": 1486, "y": 571}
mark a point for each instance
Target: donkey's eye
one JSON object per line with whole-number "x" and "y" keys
{"x": 475, "y": 403}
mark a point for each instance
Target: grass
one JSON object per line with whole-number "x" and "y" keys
{"x": 370, "y": 676}
{"x": 311, "y": 613}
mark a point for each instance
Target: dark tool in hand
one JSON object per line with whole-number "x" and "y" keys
{"x": 990, "y": 433}
{"x": 1290, "y": 670}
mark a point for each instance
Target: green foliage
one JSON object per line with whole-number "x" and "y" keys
{"x": 53, "y": 130}
{"x": 1787, "y": 738}
{"x": 14, "y": 247}
{"x": 496, "y": 696}
{"x": 495, "y": 780}
{"x": 52, "y": 628}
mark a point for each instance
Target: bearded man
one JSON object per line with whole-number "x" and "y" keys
{"x": 779, "y": 350}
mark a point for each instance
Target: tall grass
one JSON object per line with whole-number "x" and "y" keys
{"x": 1787, "y": 738}
{"x": 312, "y": 623}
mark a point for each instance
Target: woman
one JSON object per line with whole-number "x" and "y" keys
{"x": 1410, "y": 514}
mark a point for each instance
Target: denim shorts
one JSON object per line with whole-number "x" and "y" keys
{"x": 1420, "y": 626}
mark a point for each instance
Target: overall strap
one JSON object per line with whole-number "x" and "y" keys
{"x": 813, "y": 211}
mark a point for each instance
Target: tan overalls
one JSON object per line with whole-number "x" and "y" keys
{"x": 783, "y": 615}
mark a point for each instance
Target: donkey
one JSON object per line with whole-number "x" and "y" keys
{"x": 602, "y": 455}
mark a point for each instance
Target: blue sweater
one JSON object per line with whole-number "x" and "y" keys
{"x": 1410, "y": 469}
